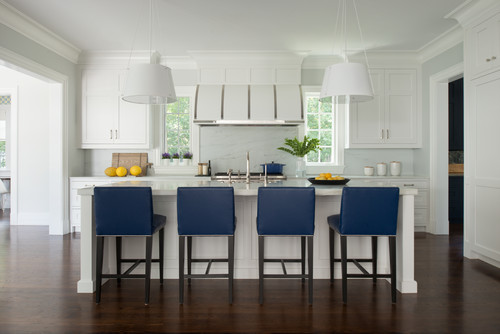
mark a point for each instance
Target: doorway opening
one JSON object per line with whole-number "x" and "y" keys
{"x": 439, "y": 148}
{"x": 456, "y": 152}
{"x": 28, "y": 189}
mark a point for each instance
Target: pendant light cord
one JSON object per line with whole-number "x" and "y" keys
{"x": 362, "y": 41}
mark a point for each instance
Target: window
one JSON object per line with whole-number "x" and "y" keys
{"x": 320, "y": 118}
{"x": 178, "y": 126}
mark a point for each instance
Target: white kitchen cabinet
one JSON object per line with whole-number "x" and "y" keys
{"x": 390, "y": 119}
{"x": 484, "y": 51}
{"x": 107, "y": 120}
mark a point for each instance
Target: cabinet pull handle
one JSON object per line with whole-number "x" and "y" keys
{"x": 110, "y": 134}
{"x": 382, "y": 134}
{"x": 116, "y": 134}
{"x": 387, "y": 133}
{"x": 409, "y": 185}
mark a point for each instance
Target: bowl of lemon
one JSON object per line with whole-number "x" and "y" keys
{"x": 328, "y": 179}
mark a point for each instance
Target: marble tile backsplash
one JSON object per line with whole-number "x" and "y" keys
{"x": 226, "y": 147}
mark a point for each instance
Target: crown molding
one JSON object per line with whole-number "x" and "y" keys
{"x": 468, "y": 13}
{"x": 115, "y": 57}
{"x": 440, "y": 44}
{"x": 232, "y": 58}
{"x": 375, "y": 59}
{"x": 19, "y": 22}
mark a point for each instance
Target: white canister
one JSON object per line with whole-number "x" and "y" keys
{"x": 369, "y": 170}
{"x": 395, "y": 168}
{"x": 381, "y": 168}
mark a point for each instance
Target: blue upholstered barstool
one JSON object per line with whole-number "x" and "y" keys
{"x": 286, "y": 211}
{"x": 205, "y": 211}
{"x": 123, "y": 212}
{"x": 365, "y": 211}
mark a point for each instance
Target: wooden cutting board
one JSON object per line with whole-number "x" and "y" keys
{"x": 128, "y": 160}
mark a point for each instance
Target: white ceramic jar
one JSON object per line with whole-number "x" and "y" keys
{"x": 395, "y": 168}
{"x": 369, "y": 170}
{"x": 381, "y": 169}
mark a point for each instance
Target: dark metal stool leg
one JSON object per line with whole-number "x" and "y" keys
{"x": 303, "y": 256}
{"x": 181, "y": 268}
{"x": 100, "y": 250}
{"x": 189, "y": 256}
{"x": 149, "y": 254}
{"x": 332, "y": 253}
{"x": 118, "y": 258}
{"x": 261, "y": 269}
{"x": 343, "y": 255}
{"x": 161, "y": 238}
{"x": 230, "y": 246}
{"x": 310, "y": 267}
{"x": 374, "y": 257}
{"x": 392, "y": 255}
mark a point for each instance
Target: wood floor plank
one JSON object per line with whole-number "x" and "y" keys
{"x": 38, "y": 275}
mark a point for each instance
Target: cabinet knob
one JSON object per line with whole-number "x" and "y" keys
{"x": 488, "y": 59}
{"x": 493, "y": 58}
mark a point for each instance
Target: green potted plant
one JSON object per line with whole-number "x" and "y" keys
{"x": 300, "y": 149}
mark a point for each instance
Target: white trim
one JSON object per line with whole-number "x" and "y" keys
{"x": 59, "y": 224}
{"x": 438, "y": 192}
{"x": 440, "y": 44}
{"x": 470, "y": 12}
{"x": 21, "y": 23}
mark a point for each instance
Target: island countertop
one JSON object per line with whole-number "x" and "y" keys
{"x": 169, "y": 187}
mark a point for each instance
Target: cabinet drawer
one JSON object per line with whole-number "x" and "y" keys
{"x": 411, "y": 183}
{"x": 421, "y": 217}
{"x": 422, "y": 199}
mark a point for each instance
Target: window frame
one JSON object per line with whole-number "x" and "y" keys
{"x": 339, "y": 133}
{"x": 194, "y": 132}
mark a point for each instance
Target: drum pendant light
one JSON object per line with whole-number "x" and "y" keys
{"x": 347, "y": 81}
{"x": 149, "y": 83}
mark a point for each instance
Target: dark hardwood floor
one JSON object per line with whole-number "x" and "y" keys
{"x": 38, "y": 275}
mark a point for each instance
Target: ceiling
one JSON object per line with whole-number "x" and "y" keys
{"x": 183, "y": 25}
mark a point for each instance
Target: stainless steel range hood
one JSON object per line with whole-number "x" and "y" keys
{"x": 257, "y": 105}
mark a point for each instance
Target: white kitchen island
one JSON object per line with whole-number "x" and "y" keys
{"x": 246, "y": 251}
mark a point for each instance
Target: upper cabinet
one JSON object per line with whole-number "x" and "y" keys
{"x": 484, "y": 51}
{"x": 107, "y": 120}
{"x": 391, "y": 119}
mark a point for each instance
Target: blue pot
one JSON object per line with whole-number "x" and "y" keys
{"x": 272, "y": 168}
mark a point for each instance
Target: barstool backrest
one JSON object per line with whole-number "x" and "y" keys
{"x": 205, "y": 210}
{"x": 286, "y": 210}
{"x": 123, "y": 210}
{"x": 369, "y": 211}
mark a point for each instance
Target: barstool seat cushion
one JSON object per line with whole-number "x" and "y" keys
{"x": 286, "y": 214}
{"x": 367, "y": 211}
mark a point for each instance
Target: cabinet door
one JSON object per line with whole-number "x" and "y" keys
{"x": 485, "y": 46}
{"x": 366, "y": 119}
{"x": 98, "y": 114}
{"x": 132, "y": 125}
{"x": 400, "y": 107}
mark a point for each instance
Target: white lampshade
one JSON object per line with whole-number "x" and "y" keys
{"x": 149, "y": 84}
{"x": 347, "y": 81}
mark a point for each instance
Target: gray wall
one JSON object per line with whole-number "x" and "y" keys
{"x": 17, "y": 43}
{"x": 450, "y": 57}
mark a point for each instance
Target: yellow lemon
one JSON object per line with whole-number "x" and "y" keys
{"x": 328, "y": 175}
{"x": 121, "y": 171}
{"x": 110, "y": 171}
{"x": 321, "y": 178}
{"x": 135, "y": 170}
{"x": 321, "y": 174}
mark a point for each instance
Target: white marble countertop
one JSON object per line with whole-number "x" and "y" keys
{"x": 169, "y": 187}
